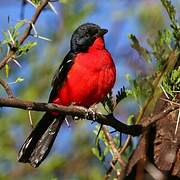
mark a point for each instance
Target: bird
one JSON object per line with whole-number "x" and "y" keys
{"x": 85, "y": 76}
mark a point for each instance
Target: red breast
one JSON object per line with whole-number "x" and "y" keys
{"x": 90, "y": 78}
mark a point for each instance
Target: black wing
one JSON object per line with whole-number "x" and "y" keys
{"x": 61, "y": 74}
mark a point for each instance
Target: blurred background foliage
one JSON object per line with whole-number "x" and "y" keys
{"x": 71, "y": 156}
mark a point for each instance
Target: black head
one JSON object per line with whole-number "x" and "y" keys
{"x": 84, "y": 36}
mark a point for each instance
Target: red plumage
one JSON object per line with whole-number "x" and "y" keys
{"x": 90, "y": 78}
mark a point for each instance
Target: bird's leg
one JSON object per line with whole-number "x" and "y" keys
{"x": 93, "y": 110}
{"x": 75, "y": 118}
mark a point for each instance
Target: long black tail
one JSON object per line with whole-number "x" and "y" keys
{"x": 39, "y": 143}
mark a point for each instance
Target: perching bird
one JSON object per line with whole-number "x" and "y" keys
{"x": 84, "y": 78}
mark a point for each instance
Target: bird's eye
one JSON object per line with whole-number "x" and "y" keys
{"x": 87, "y": 35}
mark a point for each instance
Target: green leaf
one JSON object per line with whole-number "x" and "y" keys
{"x": 19, "y": 79}
{"x": 141, "y": 50}
{"x": 161, "y": 47}
{"x": 106, "y": 150}
{"x": 175, "y": 77}
{"x": 36, "y": 2}
{"x": 170, "y": 10}
{"x": 19, "y": 24}
{"x": 14, "y": 33}
{"x": 172, "y": 15}
{"x": 95, "y": 151}
{"x": 7, "y": 70}
{"x": 130, "y": 119}
{"x": 24, "y": 49}
{"x": 117, "y": 139}
{"x": 6, "y": 38}
{"x": 171, "y": 82}
{"x": 141, "y": 88}
{"x": 165, "y": 37}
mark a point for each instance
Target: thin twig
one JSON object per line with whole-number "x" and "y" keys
{"x": 33, "y": 20}
{"x": 121, "y": 150}
{"x": 125, "y": 144}
{"x": 53, "y": 8}
{"x": 149, "y": 121}
{"x": 26, "y": 33}
{"x": 7, "y": 88}
{"x": 177, "y": 124}
{"x": 171, "y": 102}
{"x": 111, "y": 143}
{"x": 116, "y": 155}
{"x": 165, "y": 93}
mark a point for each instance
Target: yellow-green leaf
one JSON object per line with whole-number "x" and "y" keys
{"x": 19, "y": 79}
{"x": 7, "y": 70}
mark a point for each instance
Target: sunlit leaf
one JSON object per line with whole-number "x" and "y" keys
{"x": 96, "y": 153}
{"x": 130, "y": 119}
{"x": 141, "y": 50}
{"x": 36, "y": 1}
{"x": 19, "y": 79}
{"x": 19, "y": 24}
{"x": 24, "y": 49}
{"x": 7, "y": 70}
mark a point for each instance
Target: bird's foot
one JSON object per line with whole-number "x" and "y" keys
{"x": 91, "y": 112}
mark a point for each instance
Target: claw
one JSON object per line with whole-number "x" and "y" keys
{"x": 93, "y": 110}
{"x": 87, "y": 114}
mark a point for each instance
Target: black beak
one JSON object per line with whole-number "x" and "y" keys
{"x": 102, "y": 32}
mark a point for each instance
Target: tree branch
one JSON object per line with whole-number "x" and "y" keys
{"x": 146, "y": 122}
{"x": 81, "y": 112}
{"x": 110, "y": 120}
{"x": 26, "y": 33}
